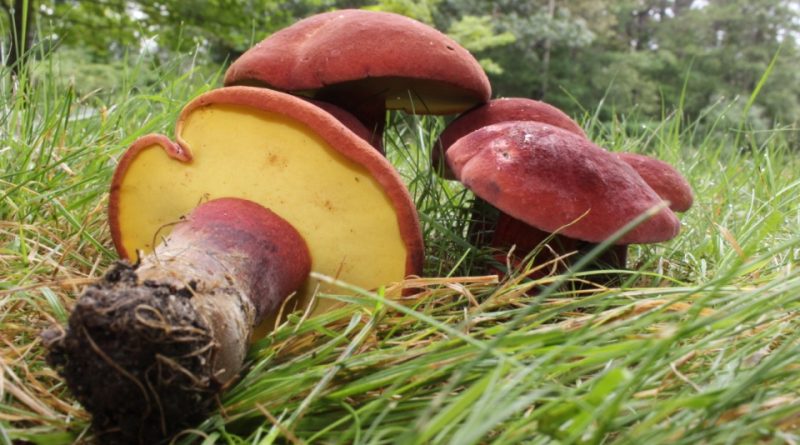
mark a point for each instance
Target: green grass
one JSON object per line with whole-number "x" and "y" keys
{"x": 700, "y": 345}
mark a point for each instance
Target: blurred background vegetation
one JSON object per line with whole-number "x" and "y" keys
{"x": 642, "y": 59}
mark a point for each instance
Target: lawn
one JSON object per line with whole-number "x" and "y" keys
{"x": 699, "y": 345}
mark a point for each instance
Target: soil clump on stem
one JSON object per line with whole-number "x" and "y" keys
{"x": 138, "y": 356}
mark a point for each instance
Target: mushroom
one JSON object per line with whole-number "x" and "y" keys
{"x": 483, "y": 218}
{"x": 506, "y": 231}
{"x": 285, "y": 154}
{"x": 545, "y": 180}
{"x": 211, "y": 262}
{"x": 494, "y": 112}
{"x": 667, "y": 182}
{"x": 366, "y": 62}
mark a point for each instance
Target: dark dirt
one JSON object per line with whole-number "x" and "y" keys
{"x": 137, "y": 357}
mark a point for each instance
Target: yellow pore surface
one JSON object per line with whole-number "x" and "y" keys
{"x": 344, "y": 215}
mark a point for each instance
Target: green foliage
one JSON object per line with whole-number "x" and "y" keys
{"x": 478, "y": 36}
{"x": 421, "y": 10}
{"x": 72, "y": 68}
{"x": 108, "y": 30}
{"x": 635, "y": 55}
{"x": 104, "y": 29}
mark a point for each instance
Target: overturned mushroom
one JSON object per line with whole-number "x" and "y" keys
{"x": 367, "y": 62}
{"x": 545, "y": 180}
{"x": 148, "y": 348}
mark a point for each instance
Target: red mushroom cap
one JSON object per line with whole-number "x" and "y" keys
{"x": 555, "y": 180}
{"x": 386, "y": 54}
{"x": 663, "y": 178}
{"x": 494, "y": 112}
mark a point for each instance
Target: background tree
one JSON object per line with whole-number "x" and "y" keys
{"x": 19, "y": 15}
{"x": 634, "y": 55}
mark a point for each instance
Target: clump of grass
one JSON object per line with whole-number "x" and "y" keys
{"x": 701, "y": 345}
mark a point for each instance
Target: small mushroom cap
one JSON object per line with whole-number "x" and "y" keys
{"x": 663, "y": 178}
{"x": 555, "y": 180}
{"x": 414, "y": 66}
{"x": 495, "y": 112}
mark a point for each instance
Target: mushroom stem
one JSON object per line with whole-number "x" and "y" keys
{"x": 370, "y": 109}
{"x": 148, "y": 347}
{"x": 560, "y": 249}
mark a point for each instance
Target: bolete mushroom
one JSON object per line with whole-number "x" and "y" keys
{"x": 483, "y": 217}
{"x": 284, "y": 153}
{"x": 211, "y": 261}
{"x": 366, "y": 62}
{"x": 495, "y": 112}
{"x": 667, "y": 182}
{"x": 544, "y": 180}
